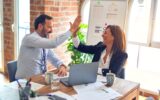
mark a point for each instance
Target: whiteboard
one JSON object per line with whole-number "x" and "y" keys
{"x": 103, "y": 13}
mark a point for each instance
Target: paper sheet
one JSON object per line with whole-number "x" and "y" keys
{"x": 101, "y": 93}
{"x": 88, "y": 87}
{"x": 97, "y": 91}
{"x": 34, "y": 86}
{"x": 8, "y": 93}
{"x": 101, "y": 78}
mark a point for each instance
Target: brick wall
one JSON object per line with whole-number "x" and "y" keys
{"x": 8, "y": 34}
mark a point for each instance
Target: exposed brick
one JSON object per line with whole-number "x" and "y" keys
{"x": 66, "y": 4}
{"x": 54, "y": 9}
{"x": 57, "y": 14}
{"x": 74, "y": 3}
{"x": 40, "y": 8}
{"x": 47, "y": 2}
{"x": 8, "y": 34}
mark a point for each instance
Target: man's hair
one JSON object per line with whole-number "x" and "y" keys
{"x": 41, "y": 20}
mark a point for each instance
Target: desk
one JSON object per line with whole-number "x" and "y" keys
{"x": 128, "y": 89}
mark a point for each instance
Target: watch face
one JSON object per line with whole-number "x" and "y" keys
{"x": 140, "y": 1}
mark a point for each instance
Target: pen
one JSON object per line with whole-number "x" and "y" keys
{"x": 105, "y": 90}
{"x": 45, "y": 95}
{"x": 28, "y": 81}
{"x": 19, "y": 84}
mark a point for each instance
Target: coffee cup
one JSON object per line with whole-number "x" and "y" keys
{"x": 110, "y": 77}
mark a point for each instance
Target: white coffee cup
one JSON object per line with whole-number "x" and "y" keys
{"x": 110, "y": 77}
{"x": 48, "y": 77}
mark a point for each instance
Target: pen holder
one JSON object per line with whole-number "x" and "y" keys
{"x": 24, "y": 93}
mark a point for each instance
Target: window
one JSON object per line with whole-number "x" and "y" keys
{"x": 85, "y": 11}
{"x": 139, "y": 16}
{"x": 22, "y": 21}
{"x": 143, "y": 36}
{"x": 156, "y": 30}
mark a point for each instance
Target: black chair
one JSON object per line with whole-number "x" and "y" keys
{"x": 12, "y": 68}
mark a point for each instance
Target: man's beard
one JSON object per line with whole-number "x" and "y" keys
{"x": 43, "y": 32}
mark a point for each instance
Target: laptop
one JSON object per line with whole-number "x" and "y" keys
{"x": 81, "y": 74}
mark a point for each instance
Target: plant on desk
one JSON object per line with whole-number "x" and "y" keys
{"x": 76, "y": 56}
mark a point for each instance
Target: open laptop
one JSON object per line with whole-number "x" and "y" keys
{"x": 81, "y": 74}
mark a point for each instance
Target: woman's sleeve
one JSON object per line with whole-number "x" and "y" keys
{"x": 91, "y": 49}
{"x": 118, "y": 63}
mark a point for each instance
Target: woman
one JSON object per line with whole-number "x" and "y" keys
{"x": 110, "y": 53}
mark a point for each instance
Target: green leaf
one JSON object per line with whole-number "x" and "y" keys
{"x": 76, "y": 56}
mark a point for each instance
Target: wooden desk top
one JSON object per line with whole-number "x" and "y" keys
{"x": 122, "y": 86}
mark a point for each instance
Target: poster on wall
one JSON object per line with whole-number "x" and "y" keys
{"x": 103, "y": 13}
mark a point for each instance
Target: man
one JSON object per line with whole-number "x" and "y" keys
{"x": 35, "y": 48}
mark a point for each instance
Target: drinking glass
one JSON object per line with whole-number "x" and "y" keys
{"x": 55, "y": 85}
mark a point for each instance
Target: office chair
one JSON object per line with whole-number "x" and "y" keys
{"x": 12, "y": 68}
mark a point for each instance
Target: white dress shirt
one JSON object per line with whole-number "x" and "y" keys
{"x": 31, "y": 53}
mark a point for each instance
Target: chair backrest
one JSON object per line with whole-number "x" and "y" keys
{"x": 12, "y": 68}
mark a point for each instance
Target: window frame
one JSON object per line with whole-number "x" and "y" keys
{"x": 153, "y": 43}
{"x": 1, "y": 36}
{"x": 150, "y": 42}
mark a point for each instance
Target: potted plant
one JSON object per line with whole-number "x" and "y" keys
{"x": 76, "y": 56}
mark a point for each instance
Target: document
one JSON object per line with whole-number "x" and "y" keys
{"x": 101, "y": 78}
{"x": 34, "y": 86}
{"x": 8, "y": 93}
{"x": 95, "y": 91}
{"x": 87, "y": 87}
{"x": 99, "y": 94}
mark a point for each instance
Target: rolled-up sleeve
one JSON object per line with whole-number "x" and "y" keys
{"x": 40, "y": 42}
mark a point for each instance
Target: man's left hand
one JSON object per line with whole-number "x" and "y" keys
{"x": 62, "y": 70}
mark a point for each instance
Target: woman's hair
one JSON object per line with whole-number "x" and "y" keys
{"x": 119, "y": 43}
